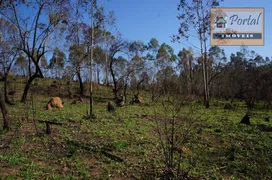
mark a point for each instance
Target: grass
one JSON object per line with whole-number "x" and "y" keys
{"x": 218, "y": 146}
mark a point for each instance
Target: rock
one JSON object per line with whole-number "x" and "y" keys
{"x": 78, "y": 100}
{"x": 54, "y": 102}
{"x": 120, "y": 101}
{"x": 65, "y": 169}
{"x": 111, "y": 106}
{"x": 140, "y": 100}
{"x": 245, "y": 120}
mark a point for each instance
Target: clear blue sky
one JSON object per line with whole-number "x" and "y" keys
{"x": 144, "y": 19}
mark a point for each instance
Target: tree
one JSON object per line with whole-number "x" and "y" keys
{"x": 57, "y": 61}
{"x": 164, "y": 59}
{"x": 44, "y": 65}
{"x": 165, "y": 79}
{"x": 165, "y": 56}
{"x": 35, "y": 28}
{"x": 77, "y": 56}
{"x": 103, "y": 24}
{"x": 96, "y": 21}
{"x": 152, "y": 50}
{"x": 215, "y": 63}
{"x": 117, "y": 45}
{"x": 122, "y": 68}
{"x": 186, "y": 64}
{"x": 195, "y": 18}
{"x": 136, "y": 51}
{"x": 109, "y": 21}
{"x": 99, "y": 57}
{"x": 68, "y": 73}
{"x": 91, "y": 48}
{"x": 77, "y": 40}
{"x": 8, "y": 51}
{"x": 21, "y": 62}
{"x": 234, "y": 78}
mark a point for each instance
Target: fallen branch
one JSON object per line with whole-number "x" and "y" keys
{"x": 96, "y": 150}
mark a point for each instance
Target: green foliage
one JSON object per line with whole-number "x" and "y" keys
{"x": 21, "y": 61}
{"x": 77, "y": 54}
{"x": 58, "y": 59}
{"x": 120, "y": 145}
{"x": 166, "y": 54}
{"x": 13, "y": 159}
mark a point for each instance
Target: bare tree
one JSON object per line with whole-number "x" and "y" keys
{"x": 8, "y": 51}
{"x": 93, "y": 6}
{"x": 75, "y": 39}
{"x": 175, "y": 127}
{"x": 35, "y": 30}
{"x": 92, "y": 35}
{"x": 195, "y": 22}
{"x": 117, "y": 45}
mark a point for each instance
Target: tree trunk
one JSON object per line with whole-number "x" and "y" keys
{"x": 190, "y": 77}
{"x": 80, "y": 82}
{"x": 106, "y": 62}
{"x": 4, "y": 111}
{"x": 29, "y": 68}
{"x": 30, "y": 80}
{"x": 97, "y": 74}
{"x": 138, "y": 86}
{"x": 91, "y": 60}
{"x": 203, "y": 49}
{"x": 152, "y": 92}
{"x": 186, "y": 70}
{"x": 207, "y": 103}
{"x": 5, "y": 90}
{"x": 188, "y": 81}
{"x": 114, "y": 80}
{"x": 204, "y": 71}
{"x": 106, "y": 69}
{"x": 125, "y": 93}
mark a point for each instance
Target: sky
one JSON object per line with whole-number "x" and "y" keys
{"x": 144, "y": 19}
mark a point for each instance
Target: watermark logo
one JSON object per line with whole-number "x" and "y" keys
{"x": 237, "y": 26}
{"x": 220, "y": 22}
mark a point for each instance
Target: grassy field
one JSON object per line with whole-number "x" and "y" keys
{"x": 126, "y": 144}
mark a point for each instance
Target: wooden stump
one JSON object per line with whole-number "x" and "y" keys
{"x": 245, "y": 120}
{"x": 48, "y": 125}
